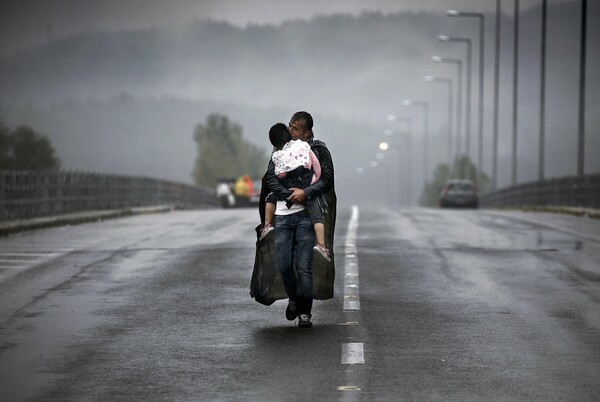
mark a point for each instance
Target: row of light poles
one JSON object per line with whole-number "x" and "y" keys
{"x": 455, "y": 141}
{"x": 481, "y": 18}
{"x": 459, "y": 64}
{"x": 449, "y": 83}
{"x": 515, "y": 105}
{"x": 406, "y": 196}
{"x": 467, "y": 41}
{"x": 450, "y": 113}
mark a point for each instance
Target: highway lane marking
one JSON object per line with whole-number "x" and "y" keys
{"x": 22, "y": 259}
{"x": 26, "y": 256}
{"x": 351, "y": 298}
{"x": 11, "y": 261}
{"x": 551, "y": 226}
{"x": 18, "y": 260}
{"x": 22, "y": 254}
{"x": 348, "y": 388}
{"x": 353, "y": 353}
{"x": 53, "y": 251}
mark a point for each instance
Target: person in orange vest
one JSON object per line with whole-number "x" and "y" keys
{"x": 243, "y": 186}
{"x": 250, "y": 185}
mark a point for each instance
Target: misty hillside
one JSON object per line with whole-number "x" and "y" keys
{"x": 154, "y": 136}
{"x": 328, "y": 58}
{"x": 129, "y": 101}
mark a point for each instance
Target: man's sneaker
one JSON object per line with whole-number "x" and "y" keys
{"x": 290, "y": 312}
{"x": 304, "y": 321}
{"x": 323, "y": 251}
{"x": 264, "y": 231}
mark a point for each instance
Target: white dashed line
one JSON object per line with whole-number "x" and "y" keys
{"x": 11, "y": 263}
{"x": 2, "y": 255}
{"x": 352, "y": 353}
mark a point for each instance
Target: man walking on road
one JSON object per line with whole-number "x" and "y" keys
{"x": 294, "y": 233}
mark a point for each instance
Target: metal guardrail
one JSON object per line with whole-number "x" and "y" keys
{"x": 581, "y": 192}
{"x": 30, "y": 194}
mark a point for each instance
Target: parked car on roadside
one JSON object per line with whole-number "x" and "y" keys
{"x": 459, "y": 193}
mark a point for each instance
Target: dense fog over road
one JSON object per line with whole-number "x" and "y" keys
{"x": 119, "y": 89}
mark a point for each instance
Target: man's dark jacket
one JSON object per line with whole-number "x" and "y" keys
{"x": 323, "y": 272}
{"x": 325, "y": 185}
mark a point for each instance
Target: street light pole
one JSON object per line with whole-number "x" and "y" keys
{"x": 458, "y": 133}
{"x": 542, "y": 93}
{"x": 409, "y": 184}
{"x": 581, "y": 128}
{"x": 449, "y": 82}
{"x": 515, "y": 92}
{"x": 481, "y": 18}
{"x": 408, "y": 159}
{"x": 425, "y": 106}
{"x": 444, "y": 38}
{"x": 496, "y": 97}
{"x": 406, "y": 156}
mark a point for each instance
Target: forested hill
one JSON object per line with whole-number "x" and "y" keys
{"x": 107, "y": 98}
{"x": 324, "y": 60}
{"x": 347, "y": 65}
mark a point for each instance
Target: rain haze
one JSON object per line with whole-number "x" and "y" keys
{"x": 119, "y": 86}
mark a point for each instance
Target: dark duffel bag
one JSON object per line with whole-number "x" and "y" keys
{"x": 266, "y": 285}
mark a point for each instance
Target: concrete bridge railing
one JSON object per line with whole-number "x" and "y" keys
{"x": 30, "y": 194}
{"x": 578, "y": 192}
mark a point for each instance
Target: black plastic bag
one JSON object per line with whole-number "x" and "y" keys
{"x": 266, "y": 285}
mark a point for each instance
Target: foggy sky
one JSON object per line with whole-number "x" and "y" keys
{"x": 151, "y": 84}
{"x": 26, "y": 23}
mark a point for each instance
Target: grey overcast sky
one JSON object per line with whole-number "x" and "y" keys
{"x": 26, "y": 23}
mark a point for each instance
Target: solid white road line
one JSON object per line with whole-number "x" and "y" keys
{"x": 351, "y": 299}
{"x": 24, "y": 254}
{"x": 352, "y": 353}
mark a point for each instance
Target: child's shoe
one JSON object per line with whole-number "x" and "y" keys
{"x": 266, "y": 229}
{"x": 323, "y": 251}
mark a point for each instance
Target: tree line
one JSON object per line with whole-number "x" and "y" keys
{"x": 25, "y": 149}
{"x": 224, "y": 153}
{"x": 463, "y": 168}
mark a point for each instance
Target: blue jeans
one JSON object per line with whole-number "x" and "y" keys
{"x": 294, "y": 241}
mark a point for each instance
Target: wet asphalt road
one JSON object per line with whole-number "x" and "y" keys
{"x": 453, "y": 305}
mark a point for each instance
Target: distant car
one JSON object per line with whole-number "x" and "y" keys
{"x": 459, "y": 193}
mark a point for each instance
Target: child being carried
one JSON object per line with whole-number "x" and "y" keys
{"x": 295, "y": 160}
